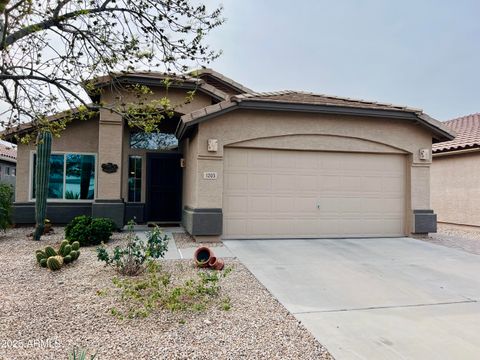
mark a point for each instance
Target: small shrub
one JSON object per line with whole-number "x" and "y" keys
{"x": 6, "y": 202}
{"x": 130, "y": 260}
{"x": 156, "y": 291}
{"x": 78, "y": 354}
{"x": 89, "y": 231}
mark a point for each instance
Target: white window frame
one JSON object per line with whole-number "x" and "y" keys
{"x": 63, "y": 200}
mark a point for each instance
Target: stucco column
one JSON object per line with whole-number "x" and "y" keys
{"x": 109, "y": 202}
{"x": 423, "y": 218}
{"x": 203, "y": 180}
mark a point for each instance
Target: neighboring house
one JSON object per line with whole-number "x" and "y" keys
{"x": 8, "y": 163}
{"x": 456, "y": 173}
{"x": 238, "y": 164}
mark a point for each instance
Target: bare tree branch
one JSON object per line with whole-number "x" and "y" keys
{"x": 50, "y": 49}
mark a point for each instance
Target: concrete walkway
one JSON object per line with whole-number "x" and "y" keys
{"x": 174, "y": 253}
{"x": 374, "y": 298}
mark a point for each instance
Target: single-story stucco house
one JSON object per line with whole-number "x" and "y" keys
{"x": 8, "y": 163}
{"x": 456, "y": 173}
{"x": 239, "y": 164}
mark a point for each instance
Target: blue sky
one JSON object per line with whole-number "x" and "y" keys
{"x": 420, "y": 53}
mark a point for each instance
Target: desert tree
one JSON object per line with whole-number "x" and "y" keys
{"x": 52, "y": 49}
{"x": 51, "y": 52}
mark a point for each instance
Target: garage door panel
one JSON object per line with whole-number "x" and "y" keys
{"x": 283, "y": 182}
{"x": 236, "y": 181}
{"x": 280, "y": 193}
{"x": 236, "y": 204}
{"x": 260, "y": 204}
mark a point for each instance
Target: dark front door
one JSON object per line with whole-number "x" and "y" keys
{"x": 164, "y": 187}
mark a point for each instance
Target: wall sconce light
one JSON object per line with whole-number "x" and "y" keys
{"x": 212, "y": 145}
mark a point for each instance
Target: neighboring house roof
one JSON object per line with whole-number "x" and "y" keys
{"x": 289, "y": 100}
{"x": 8, "y": 153}
{"x": 468, "y": 134}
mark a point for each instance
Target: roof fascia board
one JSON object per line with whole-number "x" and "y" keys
{"x": 455, "y": 152}
{"x": 321, "y": 109}
{"x": 182, "y": 126}
{"x": 8, "y": 159}
{"x": 157, "y": 82}
{"x": 325, "y": 109}
{"x": 230, "y": 84}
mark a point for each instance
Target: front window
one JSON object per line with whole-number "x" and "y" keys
{"x": 72, "y": 177}
{"x": 153, "y": 141}
{"x": 135, "y": 179}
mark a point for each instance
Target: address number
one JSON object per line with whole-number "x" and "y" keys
{"x": 210, "y": 175}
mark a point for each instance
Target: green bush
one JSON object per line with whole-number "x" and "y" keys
{"x": 89, "y": 231}
{"x": 6, "y": 201}
{"x": 130, "y": 259}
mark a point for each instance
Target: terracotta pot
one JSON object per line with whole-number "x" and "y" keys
{"x": 212, "y": 261}
{"x": 202, "y": 256}
{"x": 216, "y": 263}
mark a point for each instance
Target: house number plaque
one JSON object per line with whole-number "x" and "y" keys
{"x": 210, "y": 175}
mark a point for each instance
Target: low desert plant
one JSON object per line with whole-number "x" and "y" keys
{"x": 88, "y": 230}
{"x": 79, "y": 354}
{"x": 55, "y": 259}
{"x": 156, "y": 290}
{"x": 6, "y": 201}
{"x": 131, "y": 259}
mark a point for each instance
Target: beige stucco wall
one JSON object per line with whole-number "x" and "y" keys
{"x": 277, "y": 130}
{"x": 455, "y": 188}
{"x": 190, "y": 172}
{"x": 79, "y": 136}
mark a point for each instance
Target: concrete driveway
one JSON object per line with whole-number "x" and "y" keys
{"x": 374, "y": 298}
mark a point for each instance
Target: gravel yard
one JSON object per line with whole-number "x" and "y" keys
{"x": 457, "y": 237}
{"x": 45, "y": 314}
{"x": 184, "y": 240}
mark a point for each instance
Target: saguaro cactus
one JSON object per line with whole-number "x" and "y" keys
{"x": 42, "y": 174}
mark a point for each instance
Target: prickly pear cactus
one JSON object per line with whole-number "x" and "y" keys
{"x": 75, "y": 245}
{"x": 49, "y": 251}
{"x": 42, "y": 175}
{"x": 54, "y": 263}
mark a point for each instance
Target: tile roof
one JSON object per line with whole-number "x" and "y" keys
{"x": 302, "y": 97}
{"x": 289, "y": 100}
{"x": 295, "y": 97}
{"x": 8, "y": 152}
{"x": 468, "y": 134}
{"x": 229, "y": 84}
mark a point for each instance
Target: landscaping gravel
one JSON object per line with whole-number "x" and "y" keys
{"x": 184, "y": 240}
{"x": 44, "y": 314}
{"x": 461, "y": 238}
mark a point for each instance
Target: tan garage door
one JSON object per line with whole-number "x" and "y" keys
{"x": 305, "y": 194}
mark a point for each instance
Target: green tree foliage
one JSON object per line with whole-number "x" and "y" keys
{"x": 6, "y": 200}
